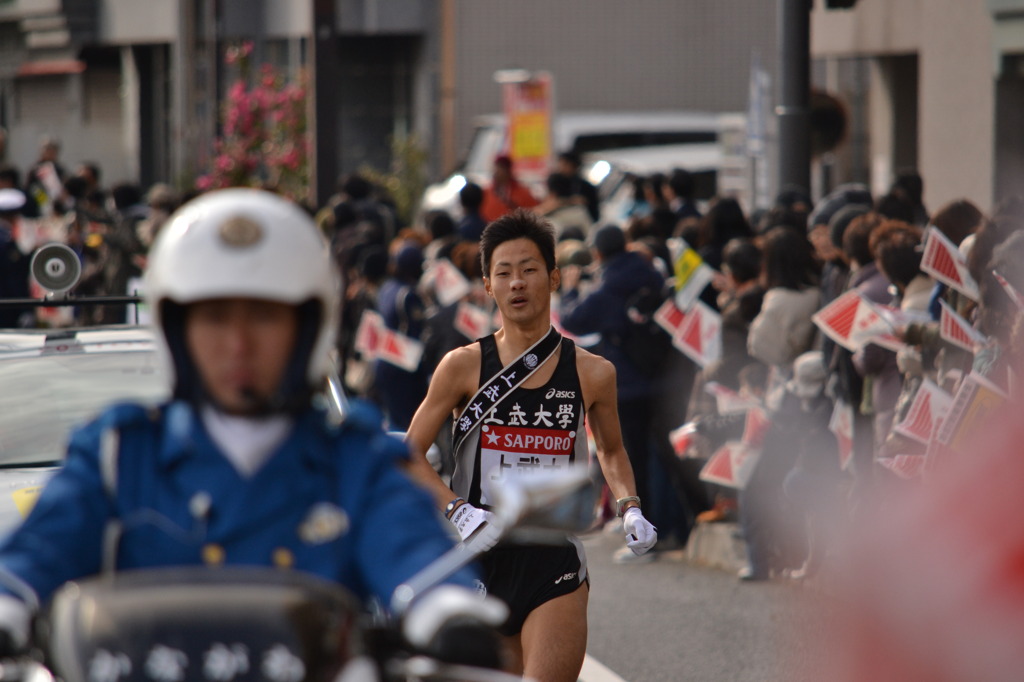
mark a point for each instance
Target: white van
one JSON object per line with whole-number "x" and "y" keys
{"x": 720, "y": 168}
{"x": 581, "y": 132}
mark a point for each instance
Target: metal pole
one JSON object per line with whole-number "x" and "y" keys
{"x": 793, "y": 110}
{"x": 325, "y": 103}
{"x": 448, "y": 58}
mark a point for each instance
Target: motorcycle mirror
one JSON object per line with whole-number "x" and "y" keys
{"x": 536, "y": 508}
{"x": 546, "y": 506}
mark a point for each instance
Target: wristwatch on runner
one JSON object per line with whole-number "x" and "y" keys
{"x": 452, "y": 506}
{"x": 622, "y": 502}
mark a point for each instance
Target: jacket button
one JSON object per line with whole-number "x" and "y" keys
{"x": 283, "y": 558}
{"x": 213, "y": 555}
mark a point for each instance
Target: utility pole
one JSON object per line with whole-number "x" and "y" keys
{"x": 324, "y": 128}
{"x": 793, "y": 110}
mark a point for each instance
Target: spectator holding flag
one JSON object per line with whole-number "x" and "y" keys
{"x": 401, "y": 391}
{"x": 896, "y": 247}
{"x": 958, "y": 220}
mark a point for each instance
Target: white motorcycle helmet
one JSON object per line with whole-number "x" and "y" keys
{"x": 245, "y": 243}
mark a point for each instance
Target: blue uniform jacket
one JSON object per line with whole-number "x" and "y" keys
{"x": 330, "y": 501}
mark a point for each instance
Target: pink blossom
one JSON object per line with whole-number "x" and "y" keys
{"x": 290, "y": 159}
{"x": 224, "y": 164}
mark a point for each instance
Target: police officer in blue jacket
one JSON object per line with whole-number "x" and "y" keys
{"x": 239, "y": 467}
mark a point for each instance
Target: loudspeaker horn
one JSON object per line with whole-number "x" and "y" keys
{"x": 56, "y": 268}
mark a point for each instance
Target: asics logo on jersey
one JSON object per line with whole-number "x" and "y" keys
{"x": 560, "y": 394}
{"x": 567, "y": 576}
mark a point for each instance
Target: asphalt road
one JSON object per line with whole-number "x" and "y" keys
{"x": 670, "y": 620}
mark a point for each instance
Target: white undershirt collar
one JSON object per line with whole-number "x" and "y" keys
{"x": 247, "y": 442}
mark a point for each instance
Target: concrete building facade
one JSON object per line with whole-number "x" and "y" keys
{"x": 936, "y": 85}
{"x": 134, "y": 85}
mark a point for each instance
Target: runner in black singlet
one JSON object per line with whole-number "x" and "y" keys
{"x": 522, "y": 399}
{"x": 532, "y": 429}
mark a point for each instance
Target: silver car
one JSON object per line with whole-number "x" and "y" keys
{"x": 54, "y": 380}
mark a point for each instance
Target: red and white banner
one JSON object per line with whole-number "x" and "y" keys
{"x": 529, "y": 110}
{"x": 929, "y": 407}
{"x": 376, "y": 342}
{"x": 841, "y": 424}
{"x": 852, "y": 322}
{"x": 957, "y": 330}
{"x": 700, "y": 336}
{"x": 471, "y": 321}
{"x": 729, "y": 401}
{"x": 447, "y": 282}
{"x": 943, "y": 261}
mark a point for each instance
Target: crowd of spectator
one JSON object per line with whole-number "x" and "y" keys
{"x": 773, "y": 271}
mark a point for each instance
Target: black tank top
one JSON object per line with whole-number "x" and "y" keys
{"x": 533, "y": 429}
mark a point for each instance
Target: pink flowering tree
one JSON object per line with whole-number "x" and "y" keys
{"x": 265, "y": 138}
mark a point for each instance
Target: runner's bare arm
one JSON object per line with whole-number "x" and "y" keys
{"x": 597, "y": 379}
{"x": 453, "y": 383}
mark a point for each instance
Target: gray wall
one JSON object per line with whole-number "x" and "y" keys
{"x": 610, "y": 54}
{"x": 955, "y": 128}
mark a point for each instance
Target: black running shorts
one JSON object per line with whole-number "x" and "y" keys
{"x": 526, "y": 576}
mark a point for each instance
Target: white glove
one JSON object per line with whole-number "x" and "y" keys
{"x": 429, "y": 614}
{"x": 477, "y": 527}
{"x": 640, "y": 534}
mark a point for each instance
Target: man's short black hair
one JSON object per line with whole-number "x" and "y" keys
{"x": 471, "y": 196}
{"x": 560, "y": 185}
{"x": 519, "y": 224}
{"x": 681, "y": 182}
{"x": 357, "y": 187}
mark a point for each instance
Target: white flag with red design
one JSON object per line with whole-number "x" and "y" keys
{"x": 732, "y": 465}
{"x": 669, "y": 317}
{"x": 1011, "y": 291}
{"x": 700, "y": 335}
{"x": 376, "y": 342}
{"x": 471, "y": 321}
{"x": 930, "y": 405}
{"x": 369, "y": 334}
{"x": 841, "y": 425}
{"x": 728, "y": 401}
{"x": 755, "y": 428}
{"x": 957, "y": 330}
{"x": 943, "y": 261}
{"x": 852, "y": 322}
{"x": 682, "y": 438}
{"x": 447, "y": 281}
